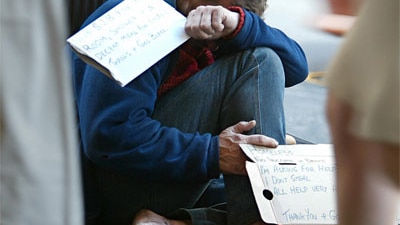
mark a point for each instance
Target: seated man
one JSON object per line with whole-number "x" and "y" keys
{"x": 162, "y": 141}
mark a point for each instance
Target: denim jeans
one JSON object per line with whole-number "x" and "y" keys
{"x": 240, "y": 87}
{"x": 244, "y": 86}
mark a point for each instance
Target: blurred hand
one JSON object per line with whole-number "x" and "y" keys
{"x": 231, "y": 157}
{"x": 211, "y": 22}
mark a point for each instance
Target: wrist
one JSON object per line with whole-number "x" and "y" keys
{"x": 241, "y": 13}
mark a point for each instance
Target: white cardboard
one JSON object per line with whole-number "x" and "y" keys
{"x": 131, "y": 37}
{"x": 301, "y": 180}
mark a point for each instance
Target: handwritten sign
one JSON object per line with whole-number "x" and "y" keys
{"x": 130, "y": 38}
{"x": 294, "y": 184}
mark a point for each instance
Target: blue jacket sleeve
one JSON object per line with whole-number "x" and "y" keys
{"x": 117, "y": 130}
{"x": 256, "y": 33}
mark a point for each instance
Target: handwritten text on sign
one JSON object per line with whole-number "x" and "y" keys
{"x": 294, "y": 184}
{"x": 131, "y": 37}
{"x": 310, "y": 184}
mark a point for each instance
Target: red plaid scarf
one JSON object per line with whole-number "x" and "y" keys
{"x": 192, "y": 58}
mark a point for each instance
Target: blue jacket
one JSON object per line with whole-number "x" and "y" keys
{"x": 115, "y": 123}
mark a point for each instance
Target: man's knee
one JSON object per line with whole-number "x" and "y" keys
{"x": 270, "y": 65}
{"x": 269, "y": 56}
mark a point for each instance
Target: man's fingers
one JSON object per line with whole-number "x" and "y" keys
{"x": 255, "y": 139}
{"x": 206, "y": 22}
{"x": 261, "y": 140}
{"x": 243, "y": 126}
{"x": 216, "y": 20}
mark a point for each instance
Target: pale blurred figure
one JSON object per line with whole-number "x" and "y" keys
{"x": 363, "y": 113}
{"x": 341, "y": 17}
{"x": 39, "y": 158}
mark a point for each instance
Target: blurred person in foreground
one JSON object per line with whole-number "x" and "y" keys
{"x": 40, "y": 181}
{"x": 363, "y": 113}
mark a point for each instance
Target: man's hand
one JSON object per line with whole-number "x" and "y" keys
{"x": 231, "y": 157}
{"x": 211, "y": 22}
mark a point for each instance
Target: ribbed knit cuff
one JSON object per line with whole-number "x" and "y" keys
{"x": 239, "y": 10}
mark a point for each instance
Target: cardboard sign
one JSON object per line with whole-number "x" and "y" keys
{"x": 130, "y": 38}
{"x": 294, "y": 184}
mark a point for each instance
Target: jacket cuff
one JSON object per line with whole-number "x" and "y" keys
{"x": 239, "y": 10}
